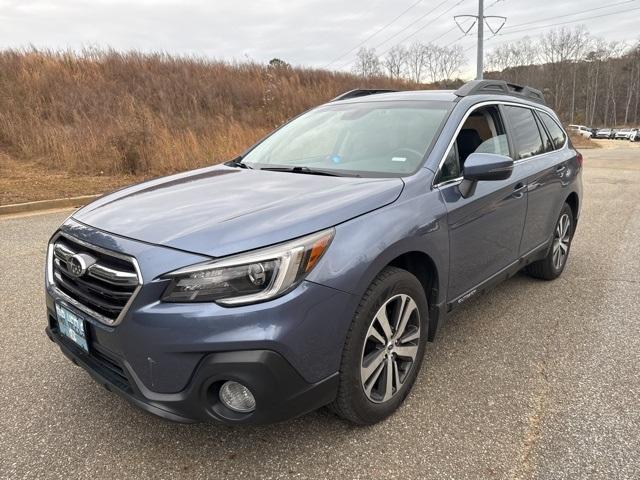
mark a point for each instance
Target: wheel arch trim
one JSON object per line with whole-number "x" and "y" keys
{"x": 407, "y": 255}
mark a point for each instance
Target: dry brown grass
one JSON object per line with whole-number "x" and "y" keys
{"x": 109, "y": 113}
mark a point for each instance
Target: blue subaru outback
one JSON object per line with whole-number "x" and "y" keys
{"x": 313, "y": 269}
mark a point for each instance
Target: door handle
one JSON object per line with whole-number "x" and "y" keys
{"x": 518, "y": 190}
{"x": 561, "y": 168}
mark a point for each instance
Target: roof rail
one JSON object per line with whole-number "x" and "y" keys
{"x": 361, "y": 92}
{"x": 479, "y": 87}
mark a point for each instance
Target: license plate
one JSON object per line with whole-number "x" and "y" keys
{"x": 72, "y": 327}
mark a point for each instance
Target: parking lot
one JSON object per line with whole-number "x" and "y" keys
{"x": 532, "y": 380}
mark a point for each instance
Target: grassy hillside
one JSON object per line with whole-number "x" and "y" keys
{"x": 109, "y": 113}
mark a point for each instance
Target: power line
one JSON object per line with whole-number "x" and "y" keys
{"x": 578, "y": 20}
{"x": 415, "y": 32}
{"x": 374, "y": 34}
{"x": 409, "y": 26}
{"x": 435, "y": 39}
{"x": 559, "y": 24}
{"x": 555, "y": 17}
{"x": 455, "y": 27}
{"x": 463, "y": 36}
{"x": 418, "y": 20}
{"x": 423, "y": 27}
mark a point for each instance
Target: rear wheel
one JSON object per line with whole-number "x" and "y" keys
{"x": 553, "y": 264}
{"x": 384, "y": 348}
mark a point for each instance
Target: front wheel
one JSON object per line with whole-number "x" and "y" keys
{"x": 384, "y": 348}
{"x": 553, "y": 264}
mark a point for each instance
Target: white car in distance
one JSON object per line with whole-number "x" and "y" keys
{"x": 581, "y": 130}
{"x": 623, "y": 134}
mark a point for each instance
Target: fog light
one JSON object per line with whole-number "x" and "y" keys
{"x": 237, "y": 397}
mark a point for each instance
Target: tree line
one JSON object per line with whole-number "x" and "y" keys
{"x": 585, "y": 79}
{"x": 420, "y": 63}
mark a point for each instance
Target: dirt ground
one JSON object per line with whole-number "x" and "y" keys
{"x": 605, "y": 143}
{"x": 20, "y": 182}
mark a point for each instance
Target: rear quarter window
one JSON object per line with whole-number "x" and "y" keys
{"x": 526, "y": 135}
{"x": 546, "y": 139}
{"x": 557, "y": 134}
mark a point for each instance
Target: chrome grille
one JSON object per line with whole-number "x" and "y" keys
{"x": 107, "y": 285}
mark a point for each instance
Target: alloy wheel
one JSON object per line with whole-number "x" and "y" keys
{"x": 390, "y": 348}
{"x": 561, "y": 240}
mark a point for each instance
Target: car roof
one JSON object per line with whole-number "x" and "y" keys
{"x": 472, "y": 91}
{"x": 443, "y": 96}
{"x": 437, "y": 95}
{"x": 408, "y": 95}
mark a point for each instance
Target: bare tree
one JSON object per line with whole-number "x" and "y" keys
{"x": 525, "y": 52}
{"x": 598, "y": 56}
{"x": 581, "y": 45}
{"x": 557, "y": 48}
{"x": 586, "y": 79}
{"x": 431, "y": 57}
{"x": 636, "y": 56}
{"x": 395, "y": 62}
{"x": 512, "y": 57}
{"x": 451, "y": 60}
{"x": 592, "y": 70}
{"x": 610, "y": 51}
{"x": 500, "y": 58}
{"x": 367, "y": 63}
{"x": 632, "y": 69}
{"x": 416, "y": 61}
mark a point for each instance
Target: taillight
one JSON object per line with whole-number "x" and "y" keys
{"x": 579, "y": 158}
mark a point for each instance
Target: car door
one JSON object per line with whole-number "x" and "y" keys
{"x": 547, "y": 175}
{"x": 485, "y": 229}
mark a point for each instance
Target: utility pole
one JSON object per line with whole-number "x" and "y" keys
{"x": 480, "y": 57}
{"x": 481, "y": 20}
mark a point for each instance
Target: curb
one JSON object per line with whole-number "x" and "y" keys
{"x": 46, "y": 205}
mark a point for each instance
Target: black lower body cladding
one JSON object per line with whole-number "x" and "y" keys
{"x": 280, "y": 392}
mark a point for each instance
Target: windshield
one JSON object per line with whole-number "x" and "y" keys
{"x": 385, "y": 138}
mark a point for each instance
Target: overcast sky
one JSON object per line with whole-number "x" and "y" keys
{"x": 302, "y": 32}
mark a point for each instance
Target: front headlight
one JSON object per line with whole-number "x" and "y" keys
{"x": 249, "y": 277}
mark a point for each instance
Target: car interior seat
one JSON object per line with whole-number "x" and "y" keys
{"x": 468, "y": 142}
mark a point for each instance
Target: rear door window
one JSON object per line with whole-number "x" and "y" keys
{"x": 526, "y": 135}
{"x": 557, "y": 134}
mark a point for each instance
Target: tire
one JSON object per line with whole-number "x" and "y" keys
{"x": 362, "y": 391}
{"x": 553, "y": 264}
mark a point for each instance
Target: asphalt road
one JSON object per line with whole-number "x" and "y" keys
{"x": 532, "y": 380}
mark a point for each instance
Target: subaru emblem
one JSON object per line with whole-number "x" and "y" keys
{"x": 78, "y": 264}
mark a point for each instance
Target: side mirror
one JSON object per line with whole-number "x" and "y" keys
{"x": 484, "y": 167}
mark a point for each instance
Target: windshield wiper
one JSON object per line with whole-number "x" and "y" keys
{"x": 308, "y": 171}
{"x": 237, "y": 162}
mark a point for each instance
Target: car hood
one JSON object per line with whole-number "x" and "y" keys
{"x": 222, "y": 210}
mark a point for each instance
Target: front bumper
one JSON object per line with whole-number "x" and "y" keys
{"x": 280, "y": 392}
{"x": 168, "y": 358}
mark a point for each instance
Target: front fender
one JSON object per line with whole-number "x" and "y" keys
{"x": 363, "y": 246}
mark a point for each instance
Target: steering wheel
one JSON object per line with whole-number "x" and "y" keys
{"x": 414, "y": 155}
